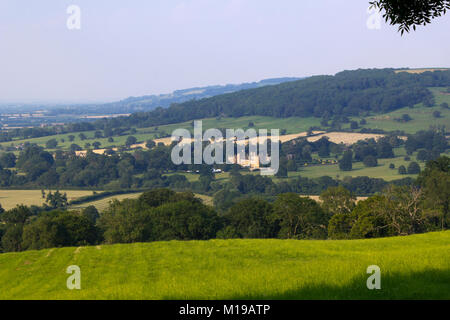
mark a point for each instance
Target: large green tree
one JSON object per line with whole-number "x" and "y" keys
{"x": 251, "y": 218}
{"x": 299, "y": 217}
{"x": 435, "y": 180}
{"x": 184, "y": 220}
{"x": 345, "y": 164}
{"x": 338, "y": 200}
{"x": 125, "y": 222}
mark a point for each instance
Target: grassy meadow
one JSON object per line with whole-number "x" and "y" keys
{"x": 422, "y": 117}
{"x": 381, "y": 171}
{"x": 413, "y": 267}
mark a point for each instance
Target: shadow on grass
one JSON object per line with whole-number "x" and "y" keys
{"x": 430, "y": 284}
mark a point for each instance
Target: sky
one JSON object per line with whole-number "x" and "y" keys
{"x": 140, "y": 47}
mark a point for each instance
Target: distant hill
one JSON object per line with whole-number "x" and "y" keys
{"x": 150, "y": 102}
{"x": 348, "y": 93}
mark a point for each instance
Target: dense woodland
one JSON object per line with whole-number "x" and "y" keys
{"x": 348, "y": 93}
{"x": 163, "y": 214}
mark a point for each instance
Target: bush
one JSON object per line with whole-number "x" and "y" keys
{"x": 74, "y": 147}
{"x": 402, "y": 170}
{"x": 150, "y": 144}
{"x": 51, "y": 144}
{"x": 354, "y": 125}
{"x": 370, "y": 161}
{"x": 413, "y": 168}
{"x": 404, "y": 118}
{"x": 96, "y": 144}
{"x": 130, "y": 141}
{"x": 345, "y": 164}
{"x": 422, "y": 155}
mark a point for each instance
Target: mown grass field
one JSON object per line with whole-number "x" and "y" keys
{"x": 381, "y": 171}
{"x": 414, "y": 267}
{"x": 10, "y": 198}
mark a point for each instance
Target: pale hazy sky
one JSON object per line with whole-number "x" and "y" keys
{"x": 137, "y": 47}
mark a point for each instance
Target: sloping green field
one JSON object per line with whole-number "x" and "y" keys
{"x": 411, "y": 268}
{"x": 422, "y": 117}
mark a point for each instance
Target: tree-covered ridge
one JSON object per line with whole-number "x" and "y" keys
{"x": 151, "y": 102}
{"x": 348, "y": 93}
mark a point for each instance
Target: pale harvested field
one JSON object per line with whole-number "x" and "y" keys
{"x": 290, "y": 137}
{"x": 317, "y": 198}
{"x": 336, "y": 137}
{"x": 11, "y": 198}
{"x": 416, "y": 71}
{"x": 285, "y": 138}
{"x": 346, "y": 137}
{"x": 167, "y": 141}
{"x": 83, "y": 153}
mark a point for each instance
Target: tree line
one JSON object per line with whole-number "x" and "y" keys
{"x": 162, "y": 214}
